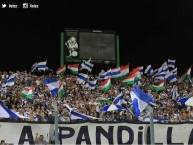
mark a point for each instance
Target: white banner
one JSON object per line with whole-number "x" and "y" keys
{"x": 98, "y": 133}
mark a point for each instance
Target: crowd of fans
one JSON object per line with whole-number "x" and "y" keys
{"x": 40, "y": 107}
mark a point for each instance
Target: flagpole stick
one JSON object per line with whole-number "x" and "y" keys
{"x": 151, "y": 126}
{"x": 56, "y": 123}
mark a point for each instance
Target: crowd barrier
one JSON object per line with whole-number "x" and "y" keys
{"x": 98, "y": 133}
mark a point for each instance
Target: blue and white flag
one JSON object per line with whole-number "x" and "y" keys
{"x": 76, "y": 115}
{"x": 119, "y": 99}
{"x": 81, "y": 78}
{"x": 171, "y": 63}
{"x": 116, "y": 72}
{"x": 10, "y": 80}
{"x": 34, "y": 66}
{"x": 112, "y": 107}
{"x": 165, "y": 69}
{"x": 7, "y": 113}
{"x": 53, "y": 85}
{"x": 162, "y": 66}
{"x": 172, "y": 76}
{"x": 160, "y": 75}
{"x": 91, "y": 84}
{"x": 42, "y": 65}
{"x": 86, "y": 65}
{"x": 105, "y": 75}
{"x": 188, "y": 101}
{"x": 140, "y": 99}
{"x": 149, "y": 70}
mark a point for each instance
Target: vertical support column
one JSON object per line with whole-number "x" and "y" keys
{"x": 62, "y": 48}
{"x": 117, "y": 49}
{"x": 56, "y": 124}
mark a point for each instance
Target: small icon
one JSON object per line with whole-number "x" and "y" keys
{"x": 3, "y": 5}
{"x": 25, "y": 5}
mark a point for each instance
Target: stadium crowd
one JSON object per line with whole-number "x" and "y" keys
{"x": 39, "y": 108}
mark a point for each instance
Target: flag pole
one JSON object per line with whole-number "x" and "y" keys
{"x": 152, "y": 136}
{"x": 56, "y": 123}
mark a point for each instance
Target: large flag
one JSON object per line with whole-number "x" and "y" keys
{"x": 42, "y": 65}
{"x": 34, "y": 66}
{"x": 7, "y": 113}
{"x": 61, "y": 90}
{"x": 158, "y": 87}
{"x": 124, "y": 70}
{"x": 53, "y": 85}
{"x": 140, "y": 99}
{"x": 105, "y": 85}
{"x": 82, "y": 78}
{"x": 27, "y": 92}
{"x": 74, "y": 68}
{"x": 171, "y": 63}
{"x": 87, "y": 65}
{"x": 61, "y": 69}
{"x": 186, "y": 75}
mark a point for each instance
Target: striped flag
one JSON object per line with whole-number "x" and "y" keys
{"x": 27, "y": 92}
{"x": 76, "y": 115}
{"x": 73, "y": 68}
{"x": 42, "y": 65}
{"x": 149, "y": 70}
{"x": 186, "y": 75}
{"x": 105, "y": 85}
{"x": 91, "y": 84}
{"x": 115, "y": 73}
{"x": 10, "y": 80}
{"x": 129, "y": 80}
{"x": 124, "y": 70}
{"x": 160, "y": 75}
{"x": 87, "y": 65}
{"x": 140, "y": 99}
{"x": 53, "y": 85}
{"x": 119, "y": 99}
{"x": 162, "y": 66}
{"x": 171, "y": 63}
{"x": 158, "y": 87}
{"x": 61, "y": 69}
{"x": 34, "y": 66}
{"x": 60, "y": 90}
{"x": 172, "y": 76}
{"x": 105, "y": 75}
{"x": 81, "y": 78}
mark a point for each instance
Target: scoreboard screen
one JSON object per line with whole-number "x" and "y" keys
{"x": 95, "y": 44}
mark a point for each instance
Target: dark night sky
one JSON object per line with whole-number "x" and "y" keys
{"x": 150, "y": 31}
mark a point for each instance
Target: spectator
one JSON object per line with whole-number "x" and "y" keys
{"x": 39, "y": 140}
{"x": 3, "y": 142}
